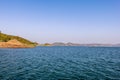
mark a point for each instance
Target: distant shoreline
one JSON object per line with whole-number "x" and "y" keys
{"x": 77, "y": 44}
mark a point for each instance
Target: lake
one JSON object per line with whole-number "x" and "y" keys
{"x": 60, "y": 63}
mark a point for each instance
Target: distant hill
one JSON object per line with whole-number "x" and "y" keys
{"x": 7, "y": 38}
{"x": 77, "y": 44}
{"x": 58, "y": 44}
{"x": 64, "y": 44}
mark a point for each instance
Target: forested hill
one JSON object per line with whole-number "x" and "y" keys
{"x": 6, "y": 38}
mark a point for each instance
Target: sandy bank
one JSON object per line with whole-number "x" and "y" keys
{"x": 14, "y": 44}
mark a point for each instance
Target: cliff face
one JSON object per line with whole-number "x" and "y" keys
{"x": 14, "y": 44}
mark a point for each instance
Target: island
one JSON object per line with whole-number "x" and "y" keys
{"x": 10, "y": 41}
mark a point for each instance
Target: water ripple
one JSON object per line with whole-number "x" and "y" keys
{"x": 60, "y": 63}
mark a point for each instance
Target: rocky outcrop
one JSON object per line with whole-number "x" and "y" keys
{"x": 14, "y": 44}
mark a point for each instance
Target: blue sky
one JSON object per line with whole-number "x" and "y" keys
{"x": 78, "y": 21}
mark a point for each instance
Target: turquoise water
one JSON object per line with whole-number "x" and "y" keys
{"x": 60, "y": 63}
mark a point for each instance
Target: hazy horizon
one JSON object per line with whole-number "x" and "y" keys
{"x": 48, "y": 21}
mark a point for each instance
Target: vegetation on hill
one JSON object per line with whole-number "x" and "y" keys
{"x": 47, "y": 44}
{"x": 6, "y": 38}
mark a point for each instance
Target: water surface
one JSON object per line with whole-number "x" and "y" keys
{"x": 60, "y": 63}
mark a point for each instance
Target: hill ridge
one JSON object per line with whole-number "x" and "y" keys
{"x": 15, "y": 41}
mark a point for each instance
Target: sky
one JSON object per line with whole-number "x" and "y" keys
{"x": 77, "y": 21}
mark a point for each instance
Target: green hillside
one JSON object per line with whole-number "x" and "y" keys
{"x": 5, "y": 38}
